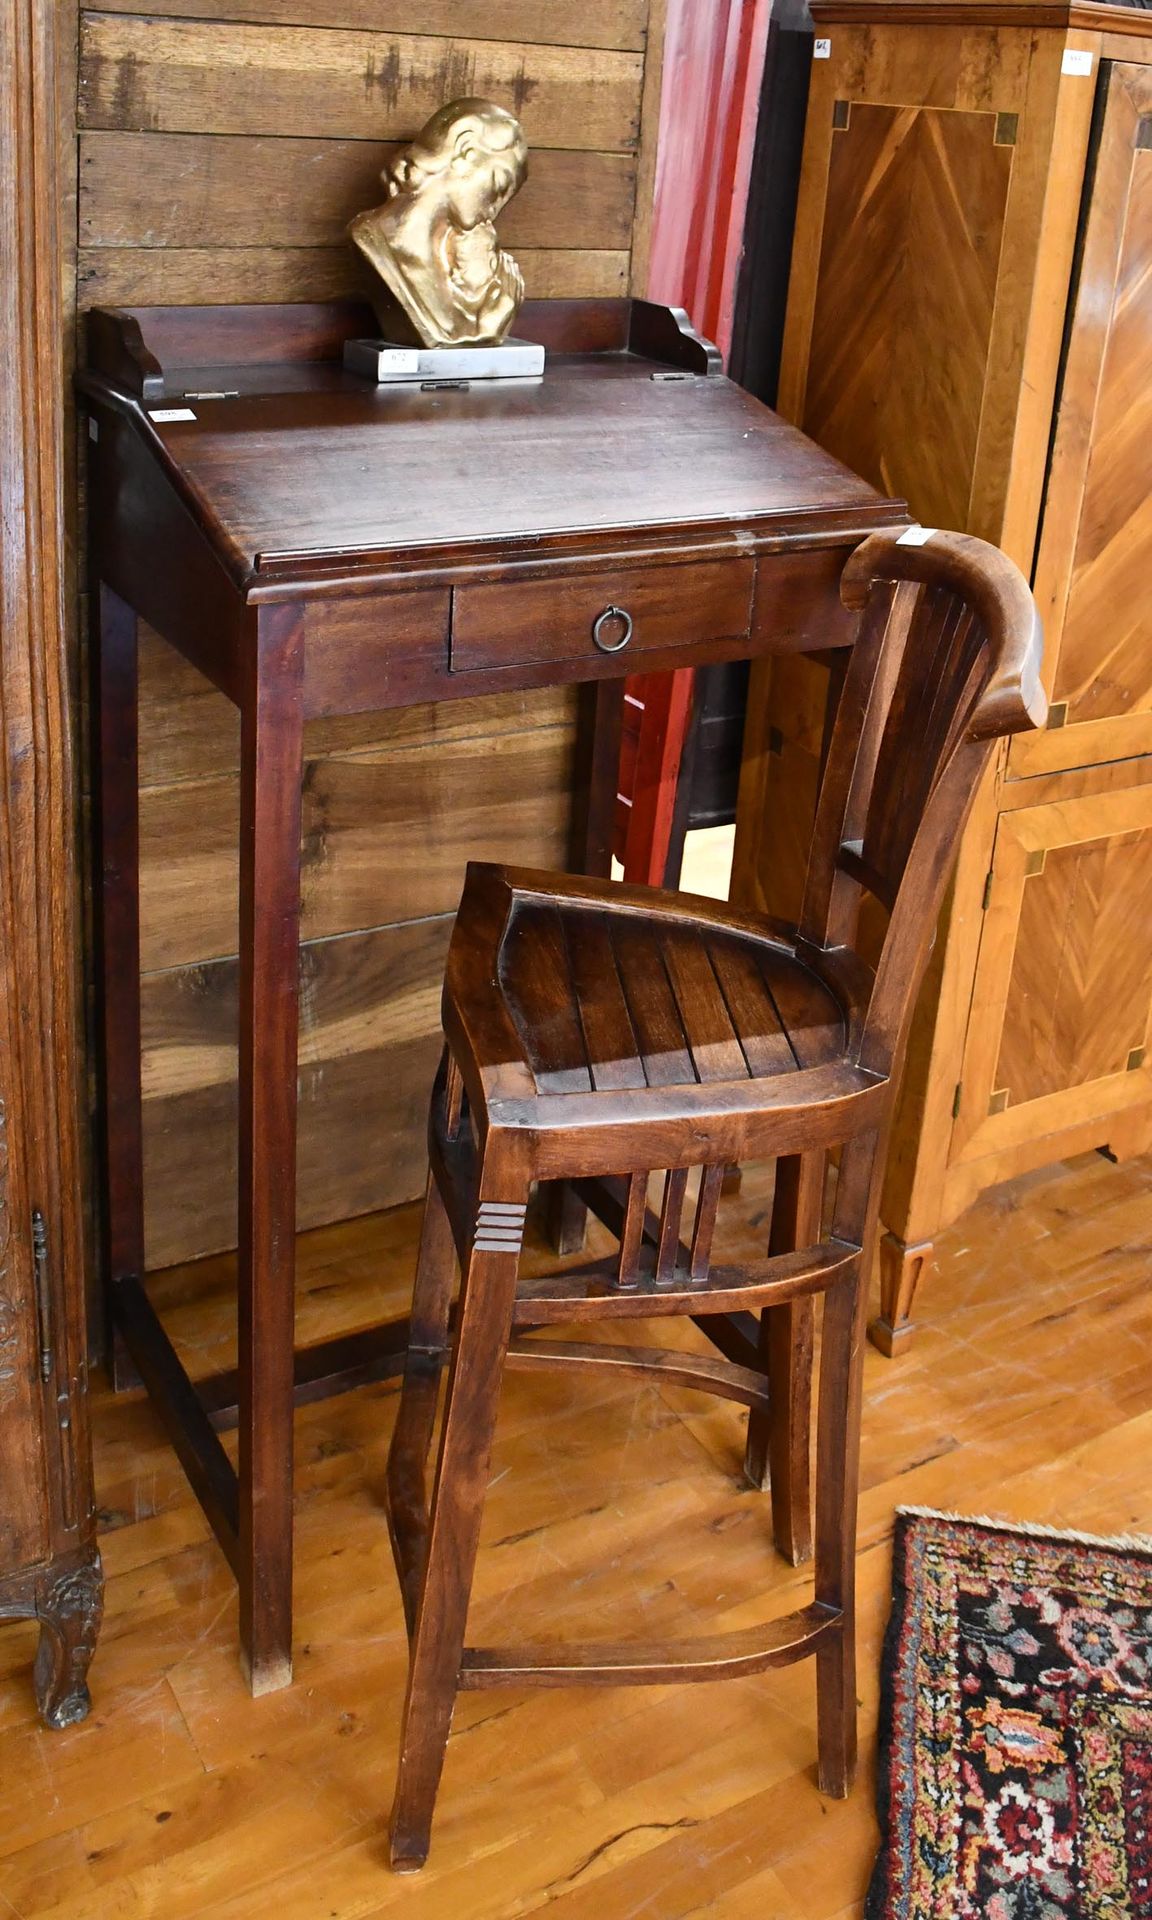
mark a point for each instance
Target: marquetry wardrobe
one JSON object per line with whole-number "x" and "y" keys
{"x": 970, "y": 325}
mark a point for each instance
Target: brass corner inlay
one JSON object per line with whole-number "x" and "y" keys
{"x": 999, "y": 1100}
{"x": 1007, "y": 127}
{"x": 1144, "y": 132}
{"x": 841, "y": 114}
{"x": 1035, "y": 862}
{"x": 1057, "y": 714}
{"x": 1135, "y": 1059}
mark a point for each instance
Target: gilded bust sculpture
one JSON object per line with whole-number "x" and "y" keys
{"x": 433, "y": 241}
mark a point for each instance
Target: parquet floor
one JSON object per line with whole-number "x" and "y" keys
{"x": 1028, "y": 1394}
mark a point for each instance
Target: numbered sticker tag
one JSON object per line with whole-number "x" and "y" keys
{"x": 1075, "y": 61}
{"x": 822, "y": 50}
{"x": 399, "y": 360}
{"x": 164, "y": 414}
{"x": 916, "y": 536}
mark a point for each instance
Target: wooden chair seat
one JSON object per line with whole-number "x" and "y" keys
{"x": 611, "y": 994}
{"x": 634, "y": 1044}
{"x": 615, "y": 1008}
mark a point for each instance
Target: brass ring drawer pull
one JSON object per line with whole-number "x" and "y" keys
{"x": 601, "y": 621}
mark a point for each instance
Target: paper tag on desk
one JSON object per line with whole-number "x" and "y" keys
{"x": 399, "y": 360}
{"x": 164, "y": 414}
{"x": 1076, "y": 60}
{"x": 822, "y": 50}
{"x": 916, "y": 536}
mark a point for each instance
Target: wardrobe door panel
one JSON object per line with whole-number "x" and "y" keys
{"x": 1061, "y": 1020}
{"x": 1095, "y": 555}
{"x": 913, "y": 227}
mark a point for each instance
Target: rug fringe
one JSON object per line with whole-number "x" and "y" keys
{"x": 1126, "y": 1542}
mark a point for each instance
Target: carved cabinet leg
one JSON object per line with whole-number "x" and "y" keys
{"x": 900, "y": 1270}
{"x": 69, "y": 1606}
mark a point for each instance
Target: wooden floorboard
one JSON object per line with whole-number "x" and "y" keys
{"x": 1027, "y": 1393}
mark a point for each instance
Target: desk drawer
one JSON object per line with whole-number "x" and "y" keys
{"x": 512, "y": 623}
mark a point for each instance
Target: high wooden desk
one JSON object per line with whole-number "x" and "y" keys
{"x": 316, "y": 545}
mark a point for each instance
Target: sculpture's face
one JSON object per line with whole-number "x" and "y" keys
{"x": 479, "y": 184}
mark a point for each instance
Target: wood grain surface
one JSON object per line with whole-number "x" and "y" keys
{"x": 274, "y": 475}
{"x": 1062, "y": 1001}
{"x": 189, "y": 189}
{"x": 595, "y": 23}
{"x": 1091, "y": 566}
{"x": 394, "y": 806}
{"x": 188, "y": 1796}
{"x": 180, "y": 76}
{"x": 195, "y": 276}
{"x": 908, "y": 271}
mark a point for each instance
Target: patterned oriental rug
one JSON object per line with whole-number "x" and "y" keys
{"x": 1015, "y": 1770}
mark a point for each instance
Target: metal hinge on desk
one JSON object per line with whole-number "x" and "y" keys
{"x": 987, "y": 899}
{"x": 43, "y": 1298}
{"x": 956, "y": 1099}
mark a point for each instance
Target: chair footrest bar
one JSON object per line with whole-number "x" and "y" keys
{"x": 786, "y": 1276}
{"x": 742, "y": 1384}
{"x": 604, "y": 1663}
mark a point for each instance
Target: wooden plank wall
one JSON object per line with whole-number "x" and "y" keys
{"x": 223, "y": 145}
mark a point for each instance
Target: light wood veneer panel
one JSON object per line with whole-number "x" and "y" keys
{"x": 1105, "y": 663}
{"x": 1096, "y": 548}
{"x": 912, "y": 233}
{"x": 1080, "y": 986}
{"x": 1062, "y": 1005}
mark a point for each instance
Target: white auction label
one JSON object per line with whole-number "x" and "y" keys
{"x": 822, "y": 50}
{"x": 1075, "y": 61}
{"x": 916, "y": 536}
{"x": 164, "y": 414}
{"x": 400, "y": 359}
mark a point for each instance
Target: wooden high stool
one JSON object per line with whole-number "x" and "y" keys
{"x": 595, "y": 1033}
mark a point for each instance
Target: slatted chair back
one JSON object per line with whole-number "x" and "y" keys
{"x": 947, "y": 661}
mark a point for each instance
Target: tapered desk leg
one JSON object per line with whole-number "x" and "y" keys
{"x": 270, "y": 774}
{"x": 115, "y": 645}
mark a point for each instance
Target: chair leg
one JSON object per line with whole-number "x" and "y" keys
{"x": 419, "y": 1394}
{"x": 779, "y": 1442}
{"x": 484, "y": 1323}
{"x": 838, "y": 1475}
{"x": 790, "y": 1331}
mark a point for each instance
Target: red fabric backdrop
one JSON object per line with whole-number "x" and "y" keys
{"x": 713, "y": 64}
